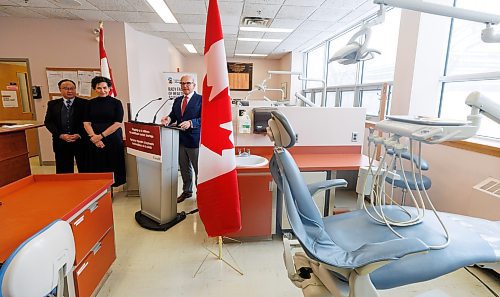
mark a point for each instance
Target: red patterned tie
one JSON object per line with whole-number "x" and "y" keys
{"x": 184, "y": 104}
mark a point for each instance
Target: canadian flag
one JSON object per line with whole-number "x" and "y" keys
{"x": 105, "y": 69}
{"x": 217, "y": 195}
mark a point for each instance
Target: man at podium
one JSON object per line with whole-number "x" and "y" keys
{"x": 186, "y": 114}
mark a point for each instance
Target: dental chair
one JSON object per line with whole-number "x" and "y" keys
{"x": 351, "y": 255}
{"x": 414, "y": 181}
{"x": 40, "y": 264}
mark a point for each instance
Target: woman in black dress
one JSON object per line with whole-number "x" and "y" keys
{"x": 102, "y": 122}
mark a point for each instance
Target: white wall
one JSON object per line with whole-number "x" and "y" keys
{"x": 147, "y": 58}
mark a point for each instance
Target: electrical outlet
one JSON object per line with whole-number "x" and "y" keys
{"x": 297, "y": 137}
{"x": 354, "y": 137}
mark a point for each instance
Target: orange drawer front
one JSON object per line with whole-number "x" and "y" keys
{"x": 93, "y": 268}
{"x": 91, "y": 225}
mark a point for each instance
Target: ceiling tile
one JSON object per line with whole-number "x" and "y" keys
{"x": 295, "y": 12}
{"x": 34, "y": 3}
{"x": 245, "y": 47}
{"x": 116, "y": 5}
{"x": 166, "y": 27}
{"x": 260, "y": 10}
{"x": 91, "y": 15}
{"x": 230, "y": 8}
{"x": 196, "y": 35}
{"x": 245, "y": 34}
{"x": 274, "y": 35}
{"x": 21, "y": 12}
{"x": 315, "y": 25}
{"x": 331, "y": 14}
{"x": 303, "y": 2}
{"x": 83, "y": 5}
{"x": 172, "y": 35}
{"x": 58, "y": 13}
{"x": 193, "y": 28}
{"x": 187, "y": 6}
{"x": 134, "y": 16}
{"x": 230, "y": 20}
{"x": 142, "y": 26}
{"x": 285, "y": 23}
{"x": 265, "y": 47}
{"x": 140, "y": 5}
{"x": 195, "y": 19}
{"x": 230, "y": 29}
{"x": 279, "y": 2}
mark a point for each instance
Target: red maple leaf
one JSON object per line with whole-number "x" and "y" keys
{"x": 213, "y": 114}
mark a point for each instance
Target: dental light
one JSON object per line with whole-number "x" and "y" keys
{"x": 357, "y": 48}
{"x": 487, "y": 35}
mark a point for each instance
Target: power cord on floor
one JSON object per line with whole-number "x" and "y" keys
{"x": 482, "y": 282}
{"x": 193, "y": 211}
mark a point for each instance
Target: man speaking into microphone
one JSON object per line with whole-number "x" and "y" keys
{"x": 186, "y": 114}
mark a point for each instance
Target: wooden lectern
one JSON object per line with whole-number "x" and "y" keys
{"x": 156, "y": 149}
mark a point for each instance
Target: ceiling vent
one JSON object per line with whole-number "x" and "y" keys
{"x": 256, "y": 22}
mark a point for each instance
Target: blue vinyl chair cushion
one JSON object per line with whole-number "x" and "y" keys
{"x": 412, "y": 183}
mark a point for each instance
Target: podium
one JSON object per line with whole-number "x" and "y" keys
{"x": 156, "y": 149}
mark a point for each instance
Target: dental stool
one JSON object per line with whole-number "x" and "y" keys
{"x": 423, "y": 183}
{"x": 40, "y": 264}
{"x": 352, "y": 255}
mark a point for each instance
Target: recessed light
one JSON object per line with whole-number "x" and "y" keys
{"x": 251, "y": 55}
{"x": 163, "y": 11}
{"x": 190, "y": 48}
{"x": 260, "y": 29}
{"x": 260, "y": 39}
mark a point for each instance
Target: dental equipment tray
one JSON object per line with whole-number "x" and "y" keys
{"x": 422, "y": 120}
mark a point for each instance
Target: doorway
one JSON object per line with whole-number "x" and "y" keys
{"x": 17, "y": 101}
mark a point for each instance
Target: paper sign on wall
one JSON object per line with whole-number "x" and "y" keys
{"x": 9, "y": 99}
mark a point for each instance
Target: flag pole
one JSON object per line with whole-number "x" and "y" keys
{"x": 219, "y": 256}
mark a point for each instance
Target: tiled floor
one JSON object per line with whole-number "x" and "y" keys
{"x": 158, "y": 264}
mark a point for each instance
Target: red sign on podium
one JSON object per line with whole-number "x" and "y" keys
{"x": 143, "y": 140}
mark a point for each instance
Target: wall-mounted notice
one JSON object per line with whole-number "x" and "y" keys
{"x": 9, "y": 99}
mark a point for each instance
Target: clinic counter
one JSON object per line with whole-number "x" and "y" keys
{"x": 254, "y": 183}
{"x": 14, "y": 157}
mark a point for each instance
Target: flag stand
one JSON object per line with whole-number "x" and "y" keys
{"x": 219, "y": 256}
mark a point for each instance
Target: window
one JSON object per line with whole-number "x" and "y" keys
{"x": 315, "y": 66}
{"x": 347, "y": 99}
{"x": 339, "y": 74}
{"x": 384, "y": 38}
{"x": 371, "y": 100}
{"x": 330, "y": 99}
{"x": 472, "y": 65}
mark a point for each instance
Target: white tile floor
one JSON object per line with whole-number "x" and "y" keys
{"x": 158, "y": 264}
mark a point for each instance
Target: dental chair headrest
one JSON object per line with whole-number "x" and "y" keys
{"x": 280, "y": 131}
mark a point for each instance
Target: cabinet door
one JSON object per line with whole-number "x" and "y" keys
{"x": 91, "y": 225}
{"x": 255, "y": 205}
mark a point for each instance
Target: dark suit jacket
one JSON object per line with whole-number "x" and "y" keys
{"x": 53, "y": 119}
{"x": 191, "y": 137}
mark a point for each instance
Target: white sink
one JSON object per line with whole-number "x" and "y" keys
{"x": 250, "y": 161}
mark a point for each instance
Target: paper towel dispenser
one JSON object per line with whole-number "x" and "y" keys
{"x": 260, "y": 117}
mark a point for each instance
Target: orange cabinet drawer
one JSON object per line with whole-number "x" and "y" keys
{"x": 91, "y": 225}
{"x": 93, "y": 268}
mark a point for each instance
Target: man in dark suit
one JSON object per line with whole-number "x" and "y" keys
{"x": 186, "y": 113}
{"x": 64, "y": 119}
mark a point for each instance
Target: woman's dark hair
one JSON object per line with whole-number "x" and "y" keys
{"x": 99, "y": 79}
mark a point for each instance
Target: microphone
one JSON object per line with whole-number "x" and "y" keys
{"x": 156, "y": 113}
{"x": 150, "y": 101}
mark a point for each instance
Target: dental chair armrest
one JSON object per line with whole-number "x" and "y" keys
{"x": 326, "y": 185}
{"x": 376, "y": 255}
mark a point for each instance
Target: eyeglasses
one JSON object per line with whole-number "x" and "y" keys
{"x": 188, "y": 83}
{"x": 68, "y": 89}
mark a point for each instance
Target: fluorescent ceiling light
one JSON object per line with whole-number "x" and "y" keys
{"x": 163, "y": 11}
{"x": 260, "y": 39}
{"x": 190, "y": 48}
{"x": 260, "y": 29}
{"x": 251, "y": 55}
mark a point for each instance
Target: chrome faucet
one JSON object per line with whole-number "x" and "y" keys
{"x": 244, "y": 153}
